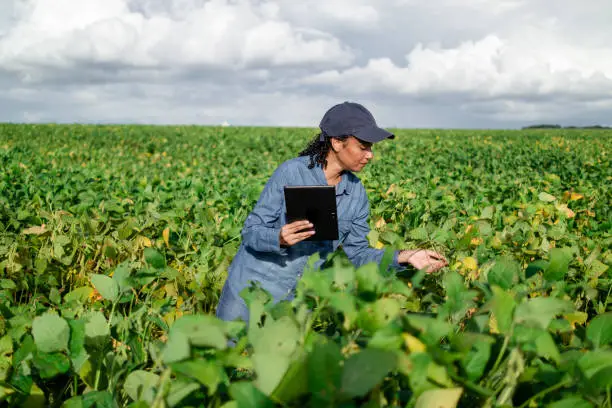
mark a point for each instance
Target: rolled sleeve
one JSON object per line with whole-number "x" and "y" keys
{"x": 261, "y": 231}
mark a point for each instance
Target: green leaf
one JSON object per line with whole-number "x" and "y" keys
{"x": 384, "y": 311}
{"x": 503, "y": 309}
{"x": 344, "y": 303}
{"x": 74, "y": 402}
{"x": 294, "y": 383}
{"x": 273, "y": 347}
{"x": 504, "y": 273}
{"x": 439, "y": 398}
{"x": 7, "y": 284}
{"x": 247, "y": 395}
{"x": 317, "y": 283}
{"x": 54, "y": 296}
{"x": 270, "y": 369}
{"x": 36, "y": 398}
{"x": 476, "y": 348}
{"x": 539, "y": 311}
{"x": 536, "y": 266}
{"x": 546, "y": 347}
{"x": 140, "y": 385}
{"x": 78, "y": 354}
{"x": 597, "y": 369}
{"x": 364, "y": 370}
{"x": 343, "y": 276}
{"x": 543, "y": 196}
{"x": 208, "y": 373}
{"x": 201, "y": 330}
{"x": 6, "y": 349}
{"x": 80, "y": 295}
{"x": 558, "y": 265}
{"x": 368, "y": 278}
{"x": 593, "y": 361}
{"x": 107, "y": 287}
{"x": 122, "y": 277}
{"x": 22, "y": 376}
{"x": 599, "y": 330}
{"x": 325, "y": 371}
{"x": 179, "y": 390}
{"x": 570, "y": 402}
{"x": 98, "y": 399}
{"x": 458, "y": 297}
{"x": 416, "y": 367}
{"x": 277, "y": 337}
{"x": 432, "y": 330}
{"x": 154, "y": 258}
{"x": 177, "y": 347}
{"x": 97, "y": 332}
{"x": 51, "y": 333}
{"x": 487, "y": 212}
{"x": 50, "y": 365}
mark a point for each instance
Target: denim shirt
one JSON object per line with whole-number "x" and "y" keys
{"x": 260, "y": 256}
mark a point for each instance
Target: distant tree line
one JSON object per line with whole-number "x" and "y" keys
{"x": 552, "y": 126}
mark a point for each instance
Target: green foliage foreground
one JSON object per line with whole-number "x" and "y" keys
{"x": 115, "y": 241}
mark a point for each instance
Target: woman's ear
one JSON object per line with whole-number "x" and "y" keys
{"x": 337, "y": 144}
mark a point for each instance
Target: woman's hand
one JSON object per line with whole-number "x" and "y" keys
{"x": 423, "y": 258}
{"x": 291, "y": 234}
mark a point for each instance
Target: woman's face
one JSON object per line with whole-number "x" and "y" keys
{"x": 352, "y": 153}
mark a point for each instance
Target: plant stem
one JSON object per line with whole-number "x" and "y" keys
{"x": 544, "y": 392}
{"x": 158, "y": 401}
{"x": 315, "y": 315}
{"x": 470, "y": 385}
{"x": 98, "y": 371}
{"x": 110, "y": 318}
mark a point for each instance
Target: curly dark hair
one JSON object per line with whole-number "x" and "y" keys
{"x": 317, "y": 150}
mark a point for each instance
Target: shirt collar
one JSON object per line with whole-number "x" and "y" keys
{"x": 342, "y": 187}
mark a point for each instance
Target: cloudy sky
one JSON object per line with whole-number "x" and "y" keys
{"x": 436, "y": 63}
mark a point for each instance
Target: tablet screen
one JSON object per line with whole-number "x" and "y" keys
{"x": 316, "y": 204}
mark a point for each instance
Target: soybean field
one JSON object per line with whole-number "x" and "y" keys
{"x": 115, "y": 243}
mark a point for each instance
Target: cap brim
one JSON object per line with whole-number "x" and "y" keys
{"x": 373, "y": 134}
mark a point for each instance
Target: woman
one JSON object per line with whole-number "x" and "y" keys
{"x": 274, "y": 252}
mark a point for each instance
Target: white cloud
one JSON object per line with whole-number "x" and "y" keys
{"x": 217, "y": 33}
{"x": 516, "y": 67}
{"x": 354, "y": 15}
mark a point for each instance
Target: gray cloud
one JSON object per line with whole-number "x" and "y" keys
{"x": 445, "y": 63}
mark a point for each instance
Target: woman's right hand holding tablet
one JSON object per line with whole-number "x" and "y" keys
{"x": 297, "y": 231}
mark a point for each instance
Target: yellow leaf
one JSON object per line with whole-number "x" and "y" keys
{"x": 166, "y": 235}
{"x": 36, "y": 230}
{"x": 391, "y": 189}
{"x": 413, "y": 344}
{"x": 439, "y": 398}
{"x": 170, "y": 290}
{"x": 576, "y": 318}
{"x": 469, "y": 263}
{"x": 576, "y": 196}
{"x": 143, "y": 241}
{"x": 563, "y": 208}
{"x": 476, "y": 241}
{"x": 493, "y": 324}
{"x": 379, "y": 245}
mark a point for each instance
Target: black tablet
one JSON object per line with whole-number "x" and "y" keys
{"x": 316, "y": 204}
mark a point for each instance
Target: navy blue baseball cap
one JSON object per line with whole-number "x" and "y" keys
{"x": 351, "y": 118}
